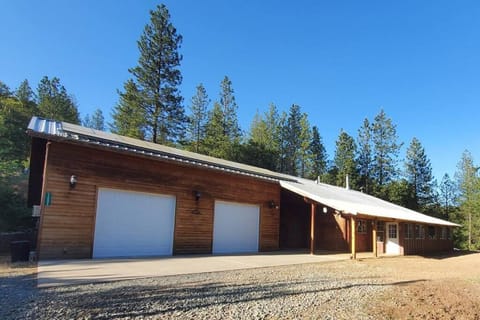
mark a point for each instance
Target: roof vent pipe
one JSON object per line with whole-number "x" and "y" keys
{"x": 347, "y": 184}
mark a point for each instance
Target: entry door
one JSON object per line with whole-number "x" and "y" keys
{"x": 392, "y": 245}
{"x": 130, "y": 224}
{"x": 235, "y": 227}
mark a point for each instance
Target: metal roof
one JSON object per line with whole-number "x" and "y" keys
{"x": 343, "y": 200}
{"x": 357, "y": 203}
{"x": 66, "y": 131}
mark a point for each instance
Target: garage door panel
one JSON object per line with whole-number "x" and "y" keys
{"x": 235, "y": 228}
{"x": 133, "y": 224}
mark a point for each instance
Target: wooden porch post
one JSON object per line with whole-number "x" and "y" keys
{"x": 312, "y": 228}
{"x": 374, "y": 236}
{"x": 353, "y": 230}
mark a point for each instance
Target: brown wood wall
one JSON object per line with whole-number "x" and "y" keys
{"x": 426, "y": 245}
{"x": 67, "y": 225}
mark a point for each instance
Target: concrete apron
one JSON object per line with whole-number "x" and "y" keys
{"x": 69, "y": 272}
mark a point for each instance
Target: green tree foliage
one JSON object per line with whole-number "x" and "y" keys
{"x": 344, "y": 160}
{"x": 14, "y": 117}
{"x": 447, "y": 195}
{"x": 158, "y": 76}
{"x": 222, "y": 134}
{"x": 468, "y": 180}
{"x": 229, "y": 109}
{"x": 198, "y": 119}
{"x": 4, "y": 90}
{"x": 418, "y": 172}
{"x": 262, "y": 148}
{"x": 15, "y": 113}
{"x": 128, "y": 115}
{"x": 217, "y": 143}
{"x": 95, "y": 121}
{"x": 292, "y": 133}
{"x": 318, "y": 154}
{"x": 305, "y": 156}
{"x": 55, "y": 103}
{"x": 385, "y": 152}
{"x": 365, "y": 157}
{"x": 400, "y": 192}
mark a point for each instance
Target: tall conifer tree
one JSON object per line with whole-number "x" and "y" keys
{"x": 418, "y": 171}
{"x": 198, "y": 118}
{"x": 129, "y": 115}
{"x": 158, "y": 76}
{"x": 319, "y": 155}
{"x": 385, "y": 152}
{"x": 55, "y": 103}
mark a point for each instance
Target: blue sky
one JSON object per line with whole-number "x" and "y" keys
{"x": 341, "y": 61}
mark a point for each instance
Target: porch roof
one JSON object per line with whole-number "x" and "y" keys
{"x": 357, "y": 203}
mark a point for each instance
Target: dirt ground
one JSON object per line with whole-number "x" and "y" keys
{"x": 437, "y": 287}
{"x": 442, "y": 287}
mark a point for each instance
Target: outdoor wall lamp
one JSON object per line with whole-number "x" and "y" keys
{"x": 325, "y": 210}
{"x": 73, "y": 181}
{"x": 197, "y": 194}
{"x": 273, "y": 205}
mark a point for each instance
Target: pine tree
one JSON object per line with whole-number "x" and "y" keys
{"x": 262, "y": 148}
{"x": 364, "y": 157}
{"x": 217, "y": 143}
{"x": 95, "y": 121}
{"x": 292, "y": 138}
{"x": 319, "y": 155}
{"x": 418, "y": 171}
{"x": 158, "y": 76}
{"x": 305, "y": 157}
{"x": 344, "y": 160}
{"x": 385, "y": 152}
{"x": 447, "y": 195}
{"x": 198, "y": 118}
{"x": 55, "y": 103}
{"x": 128, "y": 115}
{"x": 469, "y": 199}
{"x": 27, "y": 97}
{"x": 229, "y": 110}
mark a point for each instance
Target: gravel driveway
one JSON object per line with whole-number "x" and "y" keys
{"x": 329, "y": 291}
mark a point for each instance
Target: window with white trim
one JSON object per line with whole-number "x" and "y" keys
{"x": 392, "y": 231}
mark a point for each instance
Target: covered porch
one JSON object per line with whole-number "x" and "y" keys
{"x": 320, "y": 217}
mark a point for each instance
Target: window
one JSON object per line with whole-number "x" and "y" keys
{"x": 380, "y": 230}
{"x": 362, "y": 226}
{"x": 380, "y": 226}
{"x": 419, "y": 232}
{"x": 444, "y": 234}
{"x": 431, "y": 232}
{"x": 449, "y": 233}
{"x": 408, "y": 231}
{"x": 392, "y": 231}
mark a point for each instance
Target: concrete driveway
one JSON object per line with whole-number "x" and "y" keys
{"x": 67, "y": 272}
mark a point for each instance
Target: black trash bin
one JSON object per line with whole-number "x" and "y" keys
{"x": 20, "y": 250}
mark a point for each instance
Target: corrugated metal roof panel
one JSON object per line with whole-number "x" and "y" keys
{"x": 355, "y": 202}
{"x": 76, "y": 132}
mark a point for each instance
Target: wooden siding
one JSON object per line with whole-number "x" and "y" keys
{"x": 67, "y": 225}
{"x": 424, "y": 245}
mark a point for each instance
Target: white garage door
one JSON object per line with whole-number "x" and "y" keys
{"x": 235, "y": 227}
{"x": 130, "y": 224}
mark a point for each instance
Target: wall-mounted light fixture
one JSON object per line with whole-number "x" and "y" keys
{"x": 197, "y": 194}
{"x": 73, "y": 181}
{"x": 325, "y": 210}
{"x": 272, "y": 205}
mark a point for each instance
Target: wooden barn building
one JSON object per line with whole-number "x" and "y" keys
{"x": 103, "y": 195}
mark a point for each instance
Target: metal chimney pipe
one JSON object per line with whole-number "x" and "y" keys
{"x": 347, "y": 184}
